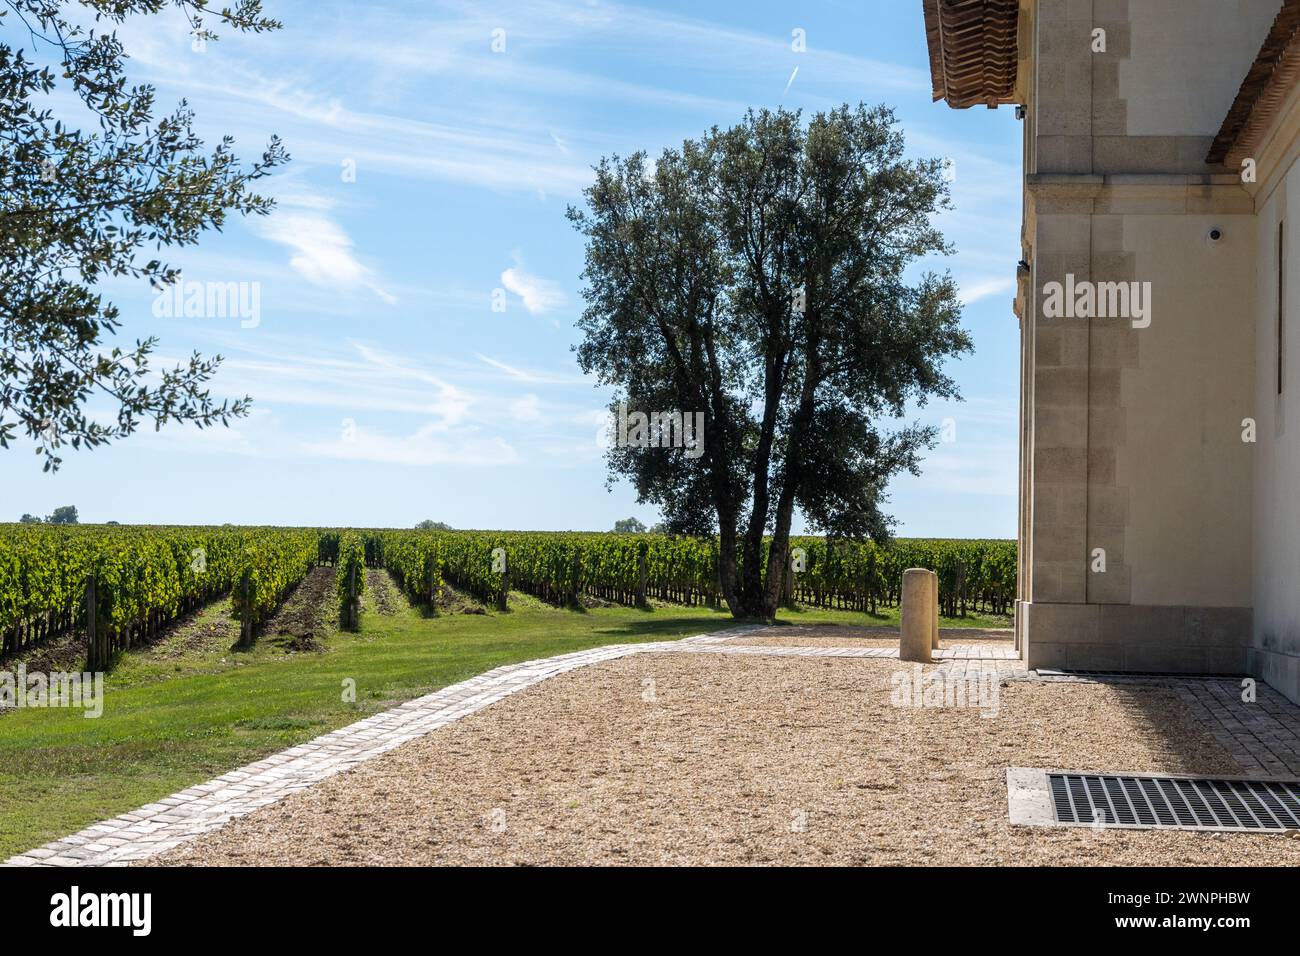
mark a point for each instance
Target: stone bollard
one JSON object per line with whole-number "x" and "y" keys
{"x": 934, "y": 606}
{"x": 919, "y": 616}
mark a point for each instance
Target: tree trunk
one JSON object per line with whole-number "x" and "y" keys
{"x": 751, "y": 586}
{"x": 787, "y": 582}
{"x": 778, "y": 560}
{"x": 727, "y": 577}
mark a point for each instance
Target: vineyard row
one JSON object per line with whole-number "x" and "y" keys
{"x": 138, "y": 579}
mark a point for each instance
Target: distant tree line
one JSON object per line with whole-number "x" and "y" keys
{"x": 636, "y": 526}
{"x": 65, "y": 515}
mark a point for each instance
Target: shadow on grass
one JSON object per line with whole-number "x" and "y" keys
{"x": 787, "y": 614}
{"x": 671, "y": 626}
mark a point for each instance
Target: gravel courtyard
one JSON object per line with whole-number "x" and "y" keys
{"x": 838, "y": 635}
{"x": 680, "y": 758}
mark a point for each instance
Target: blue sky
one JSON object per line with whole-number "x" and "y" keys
{"x": 386, "y": 389}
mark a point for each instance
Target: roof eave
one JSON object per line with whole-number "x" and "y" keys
{"x": 1271, "y": 78}
{"x": 973, "y": 51}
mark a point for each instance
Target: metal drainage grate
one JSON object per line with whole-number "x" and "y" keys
{"x": 1052, "y": 673}
{"x": 1184, "y": 803}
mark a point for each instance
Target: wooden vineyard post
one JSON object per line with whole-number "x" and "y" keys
{"x": 577, "y": 578}
{"x": 94, "y": 649}
{"x": 430, "y": 577}
{"x": 503, "y": 596}
{"x": 961, "y": 585}
{"x": 246, "y": 610}
{"x": 354, "y": 606}
{"x": 642, "y": 579}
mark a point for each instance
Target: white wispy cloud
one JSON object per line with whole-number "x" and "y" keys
{"x": 976, "y": 289}
{"x": 321, "y": 250}
{"x": 971, "y": 466}
{"x": 539, "y": 295}
{"x": 509, "y": 370}
{"x": 365, "y": 388}
{"x": 629, "y": 30}
{"x": 529, "y": 376}
{"x": 526, "y": 409}
{"x": 370, "y": 381}
{"x": 979, "y": 456}
{"x": 453, "y": 137}
{"x": 428, "y": 445}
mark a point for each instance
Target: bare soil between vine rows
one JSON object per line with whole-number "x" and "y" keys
{"x": 301, "y": 622}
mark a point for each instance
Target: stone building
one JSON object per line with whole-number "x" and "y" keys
{"x": 1159, "y": 302}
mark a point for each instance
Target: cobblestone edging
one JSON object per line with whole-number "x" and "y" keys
{"x": 958, "y": 652}
{"x": 1263, "y": 737}
{"x": 158, "y": 827}
{"x": 1261, "y": 734}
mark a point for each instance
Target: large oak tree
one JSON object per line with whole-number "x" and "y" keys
{"x": 760, "y": 275}
{"x": 80, "y": 205}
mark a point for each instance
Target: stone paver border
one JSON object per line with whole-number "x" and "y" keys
{"x": 956, "y": 652}
{"x": 1263, "y": 737}
{"x": 157, "y": 827}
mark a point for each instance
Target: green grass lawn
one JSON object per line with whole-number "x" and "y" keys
{"x": 884, "y": 617}
{"x": 189, "y": 708}
{"x": 176, "y": 716}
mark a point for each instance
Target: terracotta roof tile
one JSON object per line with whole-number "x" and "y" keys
{"x": 972, "y": 50}
{"x": 1271, "y": 77}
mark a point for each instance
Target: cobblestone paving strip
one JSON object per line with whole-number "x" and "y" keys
{"x": 158, "y": 827}
{"x": 1262, "y": 736}
{"x": 975, "y": 652}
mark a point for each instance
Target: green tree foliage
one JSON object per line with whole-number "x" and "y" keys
{"x": 760, "y": 276}
{"x": 628, "y": 526}
{"x": 65, "y": 515}
{"x": 429, "y": 524}
{"x": 79, "y": 206}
